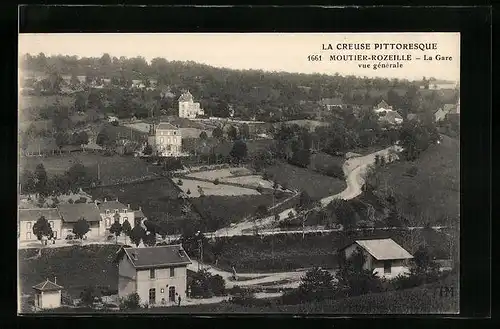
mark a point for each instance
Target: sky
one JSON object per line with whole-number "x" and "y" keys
{"x": 266, "y": 51}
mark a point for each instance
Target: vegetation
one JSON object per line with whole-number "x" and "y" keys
{"x": 116, "y": 229}
{"x": 80, "y": 228}
{"x": 42, "y": 229}
{"x": 205, "y": 285}
{"x": 131, "y": 302}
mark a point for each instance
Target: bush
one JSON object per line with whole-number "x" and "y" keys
{"x": 131, "y": 302}
{"x": 179, "y": 182}
{"x": 216, "y": 181}
{"x": 71, "y": 201}
{"x": 259, "y": 189}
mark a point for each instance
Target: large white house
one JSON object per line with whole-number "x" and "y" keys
{"x": 115, "y": 211}
{"x": 188, "y": 108}
{"x": 384, "y": 257}
{"x": 157, "y": 274}
{"x": 165, "y": 139}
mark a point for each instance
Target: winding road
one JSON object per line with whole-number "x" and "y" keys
{"x": 354, "y": 170}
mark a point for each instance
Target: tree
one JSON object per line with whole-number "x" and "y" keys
{"x": 126, "y": 228}
{"x": 137, "y": 234}
{"x": 80, "y": 228}
{"x": 89, "y": 295}
{"x": 245, "y": 131}
{"x": 82, "y": 138}
{"x": 116, "y": 229}
{"x": 261, "y": 211}
{"x": 203, "y": 135}
{"x": 80, "y": 102}
{"x": 232, "y": 133}
{"x": 77, "y": 175}
{"x": 28, "y": 182}
{"x": 74, "y": 81}
{"x": 239, "y": 150}
{"x": 148, "y": 150}
{"x": 42, "y": 229}
{"x": 150, "y": 239}
{"x": 131, "y": 302}
{"x": 40, "y": 179}
{"x": 317, "y": 284}
{"x": 217, "y": 133}
{"x": 301, "y": 158}
{"x": 354, "y": 280}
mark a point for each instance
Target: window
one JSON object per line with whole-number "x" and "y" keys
{"x": 152, "y": 296}
{"x": 152, "y": 273}
{"x": 124, "y": 210}
{"x": 51, "y": 224}
{"x": 171, "y": 294}
{"x": 161, "y": 139}
{"x": 116, "y": 211}
{"x": 107, "y": 212}
{"x": 28, "y": 226}
{"x": 175, "y": 132}
{"x": 55, "y": 234}
{"x": 162, "y": 290}
{"x": 125, "y": 218}
{"x": 28, "y": 235}
{"x": 387, "y": 267}
{"x": 172, "y": 271}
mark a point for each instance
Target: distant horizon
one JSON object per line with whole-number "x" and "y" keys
{"x": 268, "y": 52}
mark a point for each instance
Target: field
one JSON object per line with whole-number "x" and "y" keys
{"x": 112, "y": 168}
{"x": 212, "y": 189}
{"x": 436, "y": 185}
{"x": 158, "y": 198}
{"x": 220, "y": 211}
{"x": 75, "y": 267}
{"x": 251, "y": 180}
{"x": 316, "y": 185}
{"x": 289, "y": 251}
{"x": 311, "y": 124}
{"x": 220, "y": 173}
{"x": 322, "y": 161}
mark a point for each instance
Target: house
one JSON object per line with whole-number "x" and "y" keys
{"x": 391, "y": 117}
{"x": 165, "y": 139}
{"x": 138, "y": 216}
{"x": 332, "y": 103}
{"x": 157, "y": 274}
{"x": 441, "y": 114}
{"x": 382, "y": 107}
{"x": 188, "y": 108}
{"x": 28, "y": 218}
{"x": 384, "y": 257}
{"x": 71, "y": 213}
{"x": 112, "y": 211}
{"x": 47, "y": 295}
{"x": 112, "y": 119}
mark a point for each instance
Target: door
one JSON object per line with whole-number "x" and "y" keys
{"x": 152, "y": 296}
{"x": 171, "y": 294}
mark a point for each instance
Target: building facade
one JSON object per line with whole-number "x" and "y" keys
{"x": 47, "y": 295}
{"x": 188, "y": 108}
{"x": 165, "y": 140}
{"x": 157, "y": 274}
{"x": 112, "y": 211}
{"x": 384, "y": 257}
{"x": 28, "y": 218}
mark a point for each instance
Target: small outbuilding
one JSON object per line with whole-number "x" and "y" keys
{"x": 47, "y": 295}
{"x": 384, "y": 257}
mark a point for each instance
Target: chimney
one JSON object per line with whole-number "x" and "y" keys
{"x": 140, "y": 208}
{"x": 128, "y": 205}
{"x": 105, "y": 200}
{"x": 55, "y": 279}
{"x": 116, "y": 200}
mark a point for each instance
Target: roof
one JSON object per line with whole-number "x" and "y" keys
{"x": 34, "y": 214}
{"x": 186, "y": 97}
{"x": 159, "y": 256}
{"x": 384, "y": 249}
{"x": 166, "y": 126}
{"x": 332, "y": 101}
{"x": 383, "y": 104}
{"x": 138, "y": 214}
{"x": 111, "y": 205}
{"x": 47, "y": 286}
{"x": 71, "y": 213}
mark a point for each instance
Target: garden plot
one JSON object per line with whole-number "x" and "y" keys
{"x": 212, "y": 189}
{"x": 221, "y": 173}
{"x": 251, "y": 180}
{"x": 140, "y": 126}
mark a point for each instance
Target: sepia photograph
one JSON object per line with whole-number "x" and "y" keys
{"x": 220, "y": 173}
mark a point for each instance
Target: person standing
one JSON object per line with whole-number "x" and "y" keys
{"x": 179, "y": 300}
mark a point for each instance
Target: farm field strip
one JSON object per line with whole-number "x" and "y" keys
{"x": 220, "y": 173}
{"x": 212, "y": 189}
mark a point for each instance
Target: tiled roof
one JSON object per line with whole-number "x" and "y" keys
{"x": 384, "y": 249}
{"x": 47, "y": 286}
{"x": 159, "y": 256}
{"x": 166, "y": 126}
{"x": 71, "y": 213}
{"x": 34, "y": 214}
{"x": 111, "y": 206}
{"x": 186, "y": 97}
{"x": 138, "y": 214}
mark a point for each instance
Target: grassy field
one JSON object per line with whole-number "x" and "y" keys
{"x": 210, "y": 188}
{"x": 112, "y": 168}
{"x": 76, "y": 267}
{"x": 436, "y": 185}
{"x": 286, "y": 252}
{"x": 317, "y": 186}
{"x": 420, "y": 300}
{"x": 44, "y": 101}
{"x": 158, "y": 198}
{"x": 229, "y": 209}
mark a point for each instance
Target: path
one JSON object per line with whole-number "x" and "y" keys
{"x": 354, "y": 170}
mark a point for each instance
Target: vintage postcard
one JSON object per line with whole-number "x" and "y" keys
{"x": 239, "y": 172}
